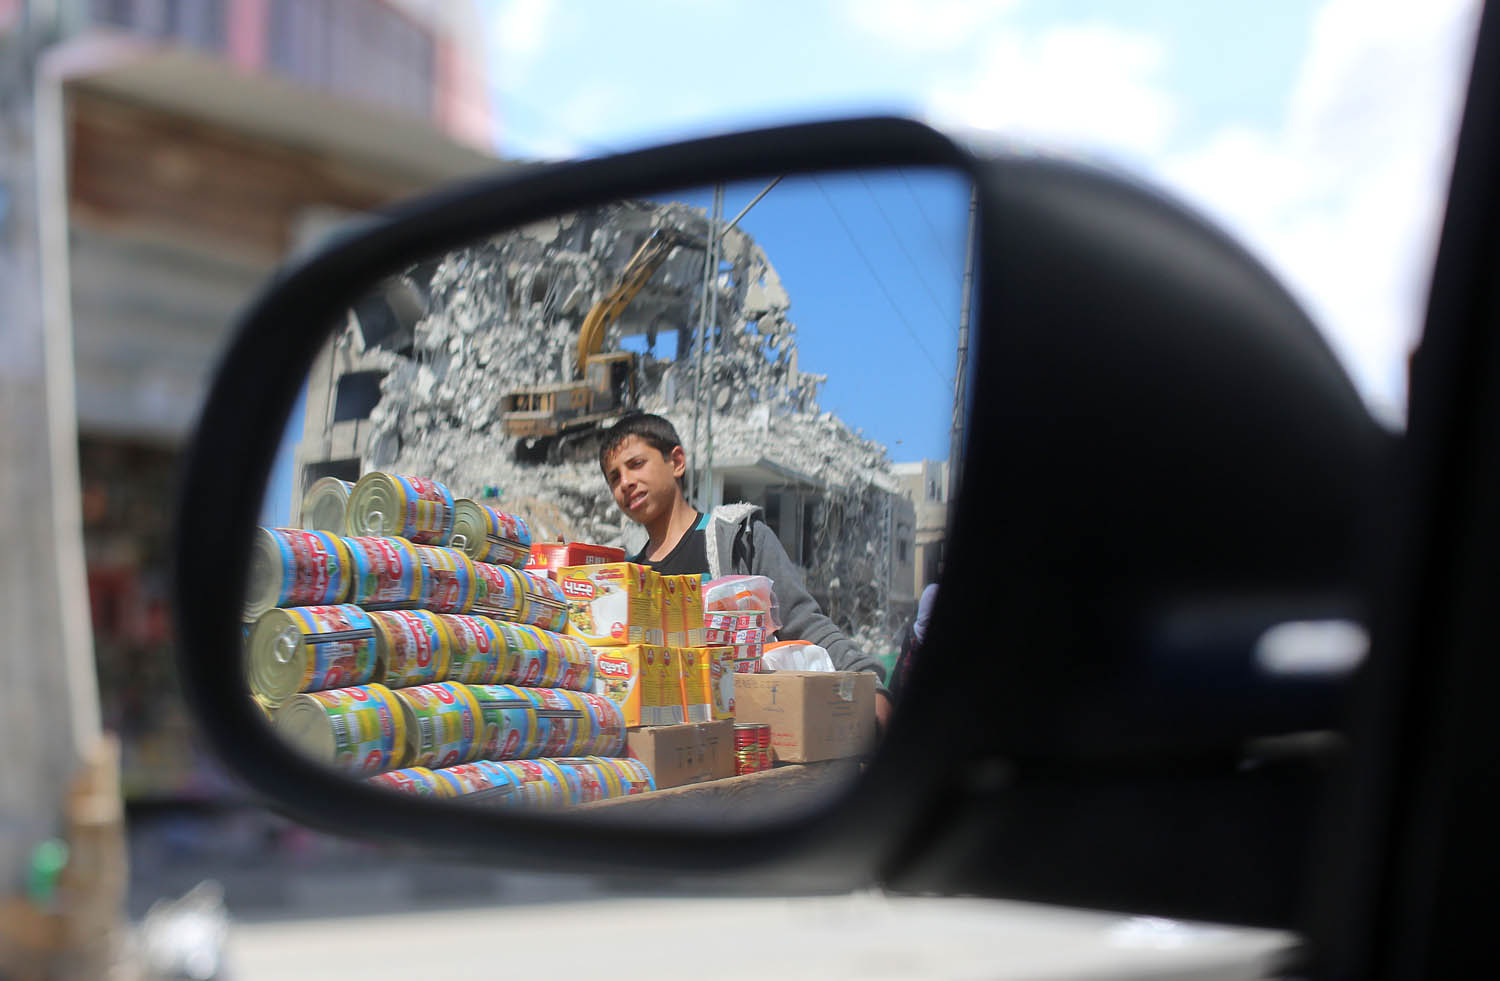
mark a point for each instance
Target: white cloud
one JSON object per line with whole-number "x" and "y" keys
{"x": 1089, "y": 84}
{"x": 923, "y": 25}
{"x": 1344, "y": 201}
{"x": 518, "y": 32}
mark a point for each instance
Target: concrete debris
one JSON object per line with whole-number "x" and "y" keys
{"x": 506, "y": 313}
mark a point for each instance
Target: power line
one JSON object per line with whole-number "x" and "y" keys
{"x": 931, "y": 293}
{"x": 942, "y": 249}
{"x": 878, "y": 281}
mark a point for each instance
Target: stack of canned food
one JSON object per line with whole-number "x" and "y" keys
{"x": 412, "y": 646}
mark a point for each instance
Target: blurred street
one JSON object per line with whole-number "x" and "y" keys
{"x": 859, "y": 936}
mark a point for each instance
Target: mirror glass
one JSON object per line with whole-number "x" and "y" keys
{"x": 629, "y": 510}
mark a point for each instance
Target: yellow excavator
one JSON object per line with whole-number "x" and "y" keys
{"x": 549, "y": 421}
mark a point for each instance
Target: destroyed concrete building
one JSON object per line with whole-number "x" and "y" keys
{"x": 415, "y": 383}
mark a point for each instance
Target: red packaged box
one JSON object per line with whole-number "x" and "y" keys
{"x": 714, "y": 637}
{"x": 547, "y": 557}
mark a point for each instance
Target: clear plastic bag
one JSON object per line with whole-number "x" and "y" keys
{"x": 743, "y": 594}
{"x": 796, "y": 655}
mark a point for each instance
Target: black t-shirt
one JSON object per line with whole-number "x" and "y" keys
{"x": 688, "y": 558}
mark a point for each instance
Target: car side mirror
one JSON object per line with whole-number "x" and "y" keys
{"x": 1152, "y": 570}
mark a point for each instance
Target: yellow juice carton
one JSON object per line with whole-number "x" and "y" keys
{"x": 614, "y": 603}
{"x": 619, "y": 675}
{"x": 696, "y": 668}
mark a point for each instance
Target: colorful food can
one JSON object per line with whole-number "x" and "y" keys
{"x": 510, "y": 727}
{"x": 532, "y": 661}
{"x": 384, "y": 504}
{"x": 442, "y": 724}
{"x": 387, "y": 573}
{"x": 418, "y": 781}
{"x": 498, "y": 592}
{"x": 585, "y": 732}
{"x": 546, "y": 604}
{"x": 585, "y": 779}
{"x": 752, "y": 747}
{"x": 358, "y": 730}
{"x": 488, "y": 534}
{"x": 413, "y": 645}
{"x": 326, "y": 505}
{"x": 576, "y": 660}
{"x": 635, "y": 776}
{"x": 571, "y": 780}
{"x": 477, "y": 783}
{"x": 447, "y": 579}
{"x": 609, "y": 777}
{"x": 311, "y": 648}
{"x": 477, "y": 655}
{"x": 289, "y": 567}
{"x": 536, "y": 785}
{"x": 558, "y": 720}
{"x": 607, "y": 724}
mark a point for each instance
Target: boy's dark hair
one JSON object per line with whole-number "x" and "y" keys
{"x": 654, "y": 430}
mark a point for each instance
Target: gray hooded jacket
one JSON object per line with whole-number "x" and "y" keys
{"x": 739, "y": 543}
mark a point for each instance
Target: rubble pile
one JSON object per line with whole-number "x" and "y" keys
{"x": 506, "y": 313}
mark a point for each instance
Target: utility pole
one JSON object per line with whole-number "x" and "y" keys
{"x": 707, "y": 485}
{"x": 708, "y": 314}
{"x": 960, "y": 377}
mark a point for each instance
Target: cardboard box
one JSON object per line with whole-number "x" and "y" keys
{"x": 696, "y": 671}
{"x": 814, "y": 715}
{"x": 613, "y": 603}
{"x": 721, "y": 680}
{"x": 684, "y": 754}
{"x": 618, "y": 675}
{"x": 661, "y": 687}
{"x": 547, "y": 557}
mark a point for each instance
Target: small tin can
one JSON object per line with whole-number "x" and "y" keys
{"x": 360, "y": 730}
{"x": 608, "y": 725}
{"x": 546, "y": 604}
{"x": 536, "y": 785}
{"x": 478, "y": 652}
{"x": 447, "y": 579}
{"x": 414, "y": 646}
{"x": 536, "y": 661}
{"x": 387, "y": 573}
{"x": 510, "y": 727}
{"x": 763, "y": 738}
{"x": 289, "y": 567}
{"x": 442, "y": 724}
{"x": 419, "y": 510}
{"x": 311, "y": 648}
{"x": 326, "y": 504}
{"x": 746, "y": 748}
{"x": 498, "y": 592}
{"x": 558, "y": 719}
{"x": 488, "y": 534}
{"x": 418, "y": 781}
{"x": 477, "y": 783}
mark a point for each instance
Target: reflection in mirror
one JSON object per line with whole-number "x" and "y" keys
{"x": 630, "y": 509}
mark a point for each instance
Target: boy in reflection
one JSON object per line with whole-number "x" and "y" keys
{"x": 643, "y": 463}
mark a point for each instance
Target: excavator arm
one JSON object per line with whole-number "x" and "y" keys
{"x": 642, "y": 266}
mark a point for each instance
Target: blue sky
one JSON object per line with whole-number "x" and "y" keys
{"x": 1318, "y": 132}
{"x": 873, "y": 264}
